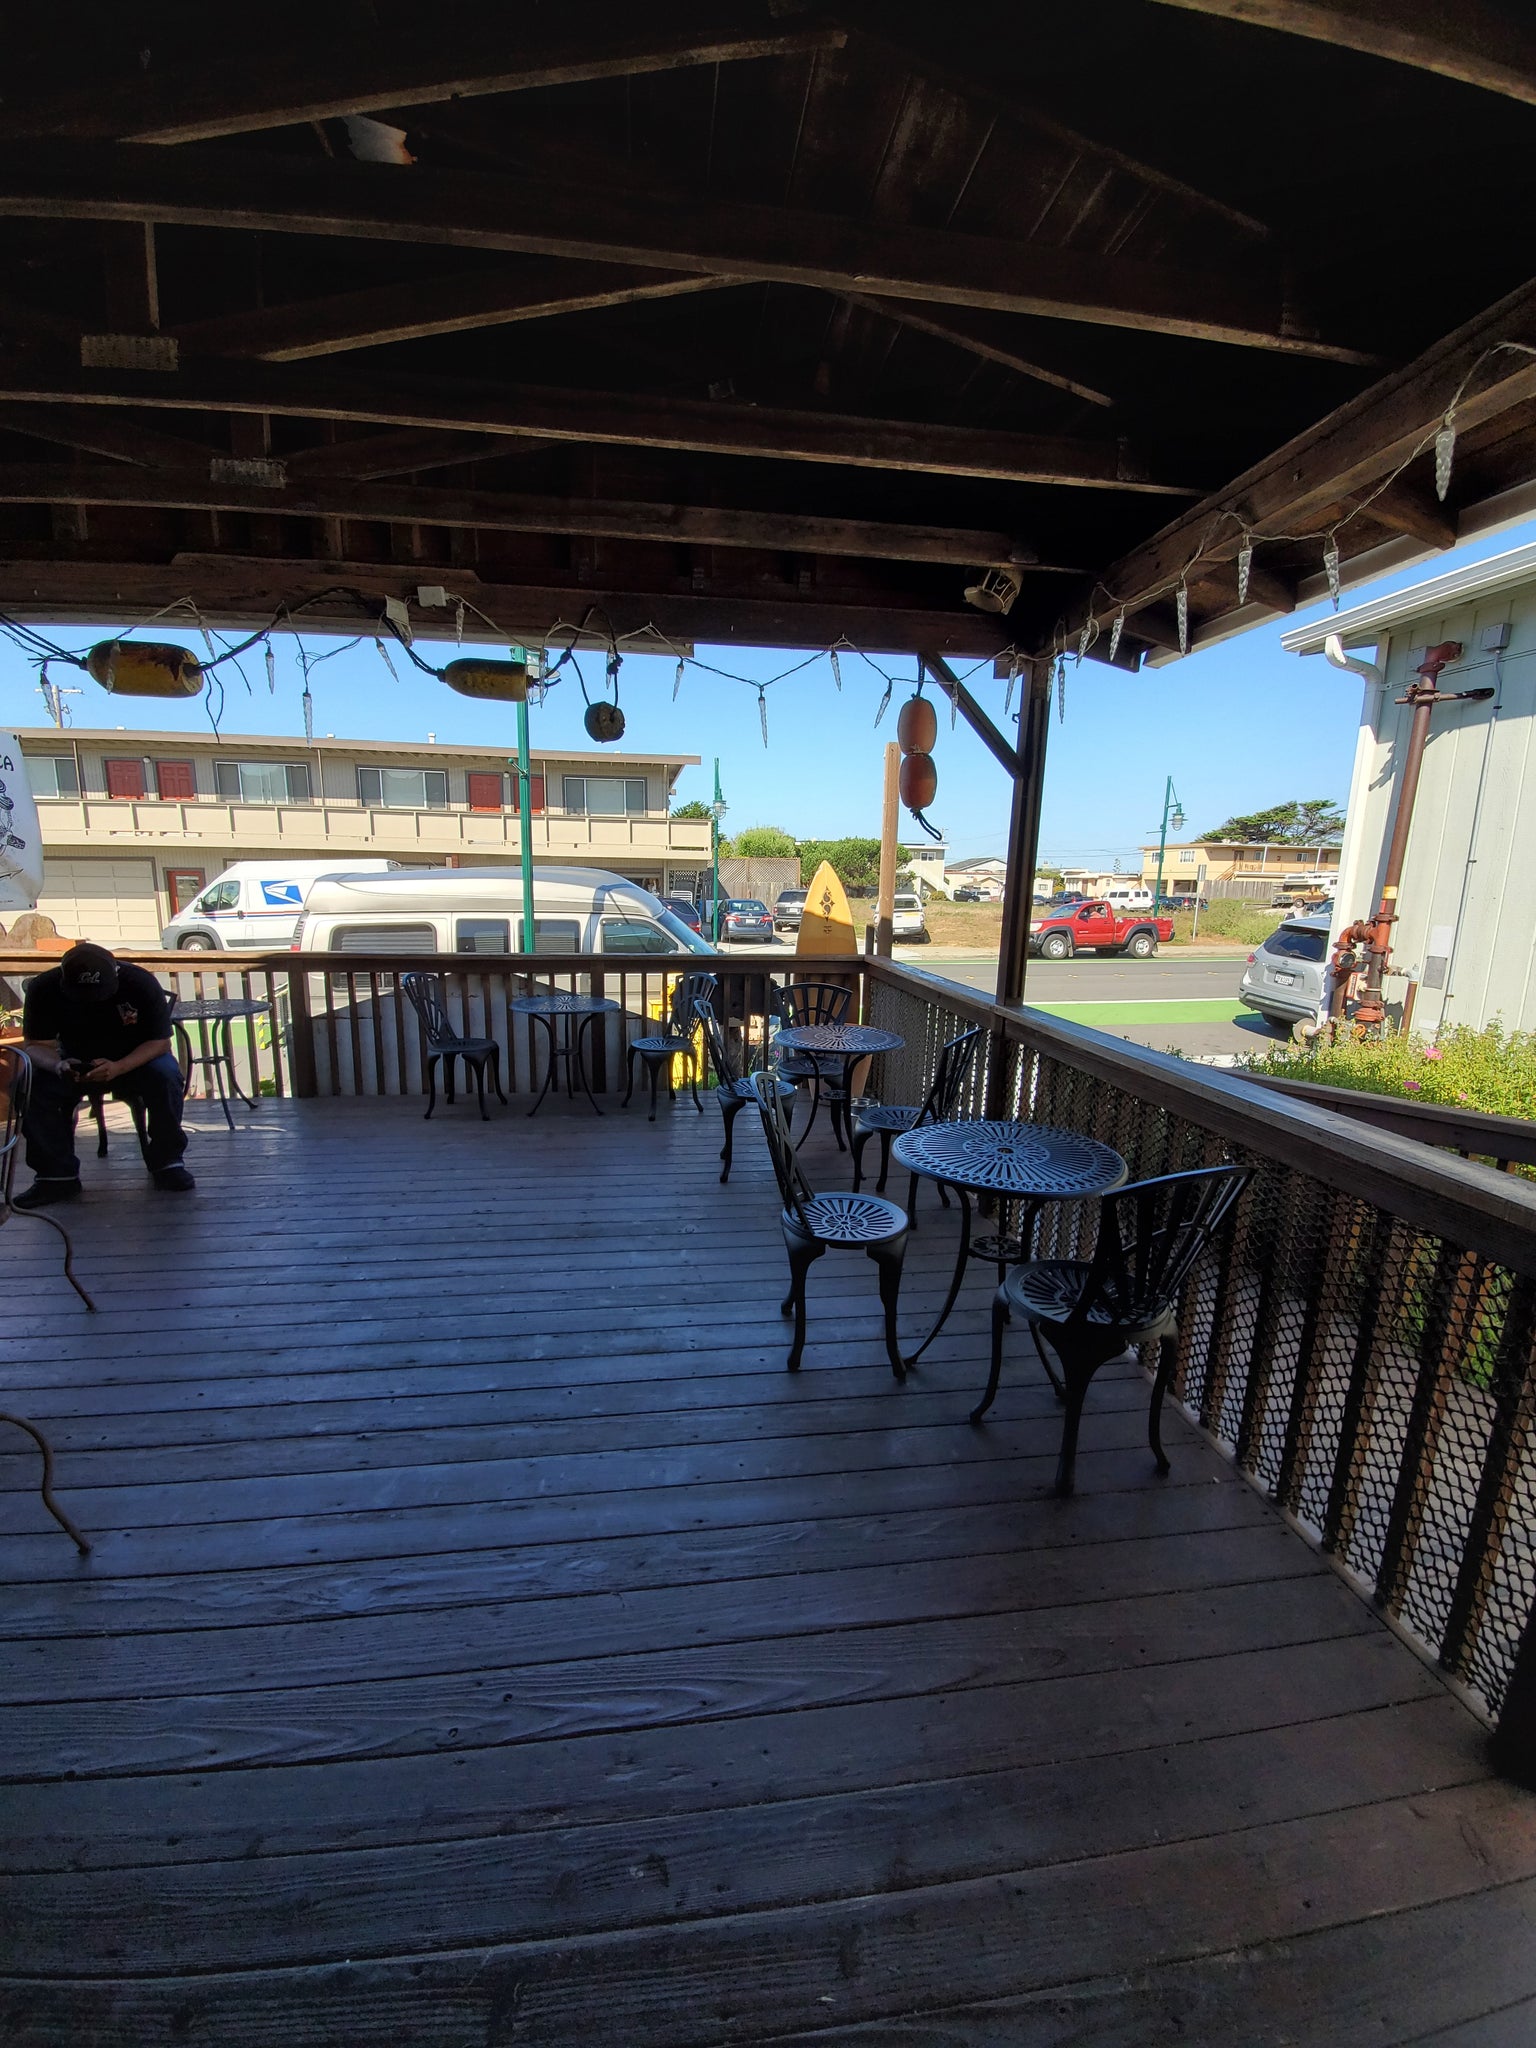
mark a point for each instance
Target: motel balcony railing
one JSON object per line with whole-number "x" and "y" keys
{"x": 1362, "y": 1346}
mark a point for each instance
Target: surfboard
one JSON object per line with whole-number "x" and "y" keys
{"x": 827, "y": 924}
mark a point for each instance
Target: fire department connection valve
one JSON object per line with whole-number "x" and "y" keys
{"x": 1363, "y": 950}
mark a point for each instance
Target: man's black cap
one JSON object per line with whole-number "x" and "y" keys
{"x": 89, "y": 973}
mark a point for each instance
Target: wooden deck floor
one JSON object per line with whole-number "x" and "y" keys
{"x": 487, "y": 1642}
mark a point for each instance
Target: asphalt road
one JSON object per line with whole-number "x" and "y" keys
{"x": 1186, "y": 1005}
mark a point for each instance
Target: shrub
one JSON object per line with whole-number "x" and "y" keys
{"x": 1228, "y": 918}
{"x": 1491, "y": 1069}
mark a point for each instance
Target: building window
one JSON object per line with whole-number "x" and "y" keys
{"x": 175, "y": 782}
{"x": 484, "y": 790}
{"x": 535, "y": 795}
{"x": 262, "y": 782}
{"x": 53, "y": 775}
{"x": 403, "y": 789}
{"x": 125, "y": 778}
{"x": 605, "y": 796}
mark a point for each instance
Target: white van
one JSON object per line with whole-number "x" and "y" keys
{"x": 480, "y": 910}
{"x": 1133, "y": 896}
{"x": 255, "y": 905}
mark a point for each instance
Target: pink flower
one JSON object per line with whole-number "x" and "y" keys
{"x": 1433, "y": 1052}
{"x": 1462, "y": 1098}
{"x": 1415, "y": 1085}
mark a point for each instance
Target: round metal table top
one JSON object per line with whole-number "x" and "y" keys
{"x": 214, "y": 1009}
{"x": 1011, "y": 1159}
{"x": 561, "y": 1004}
{"x": 838, "y": 1038}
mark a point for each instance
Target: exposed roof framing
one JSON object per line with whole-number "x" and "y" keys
{"x": 1472, "y": 43}
{"x": 758, "y": 320}
{"x": 538, "y": 215}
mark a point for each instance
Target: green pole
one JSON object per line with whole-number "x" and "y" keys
{"x": 714, "y": 858}
{"x": 1162, "y": 842}
{"x": 525, "y": 825}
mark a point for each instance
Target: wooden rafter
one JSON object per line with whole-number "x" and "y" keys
{"x": 538, "y": 288}
{"x": 274, "y": 85}
{"x": 95, "y": 431}
{"x": 505, "y": 512}
{"x": 617, "y": 418}
{"x": 552, "y": 217}
{"x": 1473, "y": 43}
{"x": 402, "y": 452}
{"x": 1339, "y": 462}
{"x": 979, "y": 334}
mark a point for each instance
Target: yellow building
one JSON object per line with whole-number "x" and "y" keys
{"x": 1255, "y": 871}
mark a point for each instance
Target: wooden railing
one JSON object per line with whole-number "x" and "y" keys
{"x": 1363, "y": 1345}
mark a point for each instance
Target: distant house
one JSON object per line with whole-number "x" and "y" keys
{"x": 1466, "y": 903}
{"x": 985, "y": 871}
{"x": 1224, "y": 868}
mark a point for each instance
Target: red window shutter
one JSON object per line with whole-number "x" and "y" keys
{"x": 174, "y": 781}
{"x": 125, "y": 778}
{"x": 535, "y": 794}
{"x": 484, "y": 791}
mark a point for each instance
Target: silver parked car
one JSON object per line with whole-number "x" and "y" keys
{"x": 789, "y": 910}
{"x": 1283, "y": 980}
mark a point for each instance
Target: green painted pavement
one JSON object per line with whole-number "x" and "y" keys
{"x": 1169, "y": 1010}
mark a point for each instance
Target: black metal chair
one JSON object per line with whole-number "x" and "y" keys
{"x": 815, "y": 1223}
{"x": 886, "y": 1120}
{"x": 677, "y": 1041}
{"x": 1090, "y": 1311}
{"x": 815, "y": 1002}
{"x": 15, "y": 1089}
{"x": 425, "y": 994}
{"x": 733, "y": 1091}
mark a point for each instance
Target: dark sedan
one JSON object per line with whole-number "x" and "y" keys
{"x": 744, "y": 919}
{"x": 687, "y": 912}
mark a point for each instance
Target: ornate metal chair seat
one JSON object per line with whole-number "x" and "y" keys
{"x": 678, "y": 1041}
{"x": 852, "y": 1219}
{"x": 1050, "y": 1290}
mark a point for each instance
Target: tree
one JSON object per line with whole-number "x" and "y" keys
{"x": 855, "y": 862}
{"x": 765, "y": 842}
{"x": 696, "y": 809}
{"x": 1316, "y": 823}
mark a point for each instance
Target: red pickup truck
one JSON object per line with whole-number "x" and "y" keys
{"x": 1095, "y": 928}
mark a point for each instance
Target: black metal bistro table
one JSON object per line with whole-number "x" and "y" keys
{"x": 579, "y": 1013}
{"x": 214, "y": 1055}
{"x": 1024, "y": 1165}
{"x": 848, "y": 1042}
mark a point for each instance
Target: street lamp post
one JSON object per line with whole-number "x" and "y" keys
{"x": 1173, "y": 814}
{"x": 717, "y": 811}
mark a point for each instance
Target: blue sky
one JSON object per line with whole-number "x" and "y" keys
{"x": 1238, "y": 727}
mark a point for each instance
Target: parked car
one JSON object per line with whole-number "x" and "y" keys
{"x": 789, "y": 910}
{"x": 1186, "y": 903}
{"x": 1284, "y": 978}
{"x": 968, "y": 895}
{"x": 907, "y": 920}
{"x": 479, "y": 910}
{"x": 1096, "y": 927}
{"x": 255, "y": 904}
{"x": 684, "y": 910}
{"x": 1133, "y": 896}
{"x": 744, "y": 920}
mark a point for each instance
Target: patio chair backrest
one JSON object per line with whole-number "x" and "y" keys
{"x": 425, "y": 994}
{"x": 794, "y": 1189}
{"x": 15, "y": 1087}
{"x": 714, "y": 1042}
{"x": 1150, "y": 1236}
{"x": 949, "y": 1074}
{"x": 811, "y": 1002}
{"x": 689, "y": 990}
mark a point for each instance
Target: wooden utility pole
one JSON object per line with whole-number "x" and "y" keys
{"x": 885, "y": 905}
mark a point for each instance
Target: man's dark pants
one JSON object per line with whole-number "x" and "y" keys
{"x": 50, "y": 1124}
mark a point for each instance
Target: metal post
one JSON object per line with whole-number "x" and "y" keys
{"x": 1173, "y": 809}
{"x": 716, "y": 813}
{"x": 885, "y": 905}
{"x": 1019, "y": 883}
{"x": 525, "y": 825}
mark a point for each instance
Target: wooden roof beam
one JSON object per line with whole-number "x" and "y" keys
{"x": 1470, "y": 42}
{"x": 1340, "y": 460}
{"x": 980, "y": 334}
{"x": 504, "y": 512}
{"x": 700, "y": 426}
{"x": 274, "y": 84}
{"x": 536, "y": 215}
{"x": 539, "y": 288}
{"x": 95, "y": 431}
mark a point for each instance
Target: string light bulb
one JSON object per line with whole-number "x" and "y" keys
{"x": 677, "y": 681}
{"x": 1061, "y": 689}
{"x": 1115, "y": 631}
{"x": 1244, "y": 566}
{"x": 762, "y": 712}
{"x": 1013, "y": 683}
{"x": 458, "y": 622}
{"x": 271, "y": 670}
{"x": 1181, "y": 606}
{"x": 309, "y": 714}
{"x": 885, "y": 702}
{"x": 1331, "y": 567}
{"x": 1445, "y": 454}
{"x": 837, "y": 674}
{"x": 383, "y": 652}
{"x": 1085, "y": 639}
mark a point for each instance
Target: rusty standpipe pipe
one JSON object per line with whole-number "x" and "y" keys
{"x": 1373, "y": 935}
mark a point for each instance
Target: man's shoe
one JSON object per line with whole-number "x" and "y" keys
{"x": 44, "y": 1193}
{"x": 175, "y": 1180}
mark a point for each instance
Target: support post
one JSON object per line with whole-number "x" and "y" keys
{"x": 525, "y": 825}
{"x": 885, "y": 907}
{"x": 1019, "y": 884}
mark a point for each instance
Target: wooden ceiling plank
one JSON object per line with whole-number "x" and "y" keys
{"x": 1474, "y": 44}
{"x": 969, "y": 331}
{"x": 273, "y": 86}
{"x": 503, "y": 512}
{"x": 454, "y": 304}
{"x": 370, "y": 457}
{"x": 537, "y": 215}
{"x": 212, "y": 384}
{"x": 1341, "y": 459}
{"x": 96, "y": 431}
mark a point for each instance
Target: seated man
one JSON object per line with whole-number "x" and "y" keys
{"x": 89, "y": 1024}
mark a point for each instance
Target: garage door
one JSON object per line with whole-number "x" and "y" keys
{"x": 110, "y": 901}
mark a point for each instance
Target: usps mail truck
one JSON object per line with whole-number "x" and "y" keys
{"x": 255, "y": 906}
